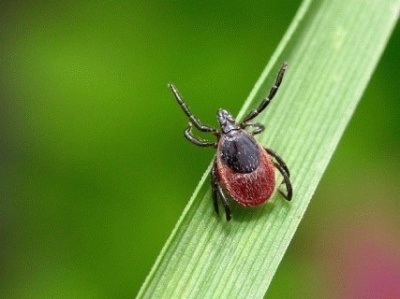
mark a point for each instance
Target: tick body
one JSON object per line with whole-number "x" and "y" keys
{"x": 243, "y": 168}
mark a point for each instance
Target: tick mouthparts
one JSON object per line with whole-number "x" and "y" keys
{"x": 226, "y": 121}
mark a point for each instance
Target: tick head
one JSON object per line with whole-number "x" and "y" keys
{"x": 226, "y": 121}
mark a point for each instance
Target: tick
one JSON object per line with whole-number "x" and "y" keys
{"x": 242, "y": 168}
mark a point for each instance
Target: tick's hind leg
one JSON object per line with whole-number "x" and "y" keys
{"x": 217, "y": 193}
{"x": 279, "y": 160}
{"x": 283, "y": 169}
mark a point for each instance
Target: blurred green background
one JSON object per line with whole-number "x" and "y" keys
{"x": 95, "y": 172}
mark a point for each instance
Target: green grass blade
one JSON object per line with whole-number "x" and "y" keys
{"x": 332, "y": 48}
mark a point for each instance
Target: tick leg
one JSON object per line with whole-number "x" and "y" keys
{"x": 258, "y": 127}
{"x": 217, "y": 193}
{"x": 214, "y": 187}
{"x": 224, "y": 203}
{"x": 281, "y": 166}
{"x": 287, "y": 182}
{"x": 278, "y": 159}
{"x": 193, "y": 119}
{"x": 253, "y": 113}
{"x": 189, "y": 136}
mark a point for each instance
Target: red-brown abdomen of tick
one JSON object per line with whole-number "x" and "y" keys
{"x": 248, "y": 189}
